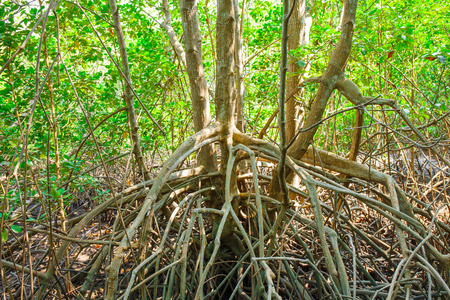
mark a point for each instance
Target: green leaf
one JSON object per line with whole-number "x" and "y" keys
{"x": 4, "y": 235}
{"x": 16, "y": 228}
{"x": 301, "y": 63}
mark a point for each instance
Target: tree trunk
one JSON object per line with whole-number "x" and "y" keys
{"x": 224, "y": 100}
{"x": 328, "y": 83}
{"x": 240, "y": 90}
{"x": 334, "y": 71}
{"x": 128, "y": 94}
{"x": 296, "y": 33}
{"x": 199, "y": 90}
{"x": 225, "y": 35}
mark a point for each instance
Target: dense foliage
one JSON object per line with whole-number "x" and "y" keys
{"x": 399, "y": 51}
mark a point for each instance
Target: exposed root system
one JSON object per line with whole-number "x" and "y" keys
{"x": 357, "y": 236}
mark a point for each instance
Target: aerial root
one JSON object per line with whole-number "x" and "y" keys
{"x": 174, "y": 244}
{"x": 338, "y": 258}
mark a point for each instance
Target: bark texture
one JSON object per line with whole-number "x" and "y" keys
{"x": 128, "y": 93}
{"x": 328, "y": 83}
{"x": 240, "y": 90}
{"x": 334, "y": 71}
{"x": 296, "y": 32}
{"x": 225, "y": 35}
{"x": 225, "y": 106}
{"x": 224, "y": 97}
{"x": 167, "y": 25}
{"x": 194, "y": 67}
